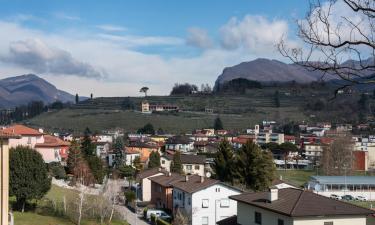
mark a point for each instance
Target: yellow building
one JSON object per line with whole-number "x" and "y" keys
{"x": 4, "y": 176}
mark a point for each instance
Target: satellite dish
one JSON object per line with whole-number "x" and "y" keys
{"x": 208, "y": 174}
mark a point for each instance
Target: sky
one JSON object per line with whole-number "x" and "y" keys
{"x": 113, "y": 47}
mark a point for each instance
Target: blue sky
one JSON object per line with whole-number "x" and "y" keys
{"x": 112, "y": 48}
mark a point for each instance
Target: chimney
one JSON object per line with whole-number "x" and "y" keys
{"x": 273, "y": 194}
{"x": 186, "y": 178}
{"x": 202, "y": 179}
{"x": 41, "y": 130}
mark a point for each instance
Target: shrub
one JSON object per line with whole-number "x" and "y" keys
{"x": 161, "y": 222}
{"x": 56, "y": 170}
{"x": 153, "y": 219}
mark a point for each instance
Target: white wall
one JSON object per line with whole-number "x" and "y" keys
{"x": 29, "y": 141}
{"x": 341, "y": 220}
{"x": 146, "y": 188}
{"x": 215, "y": 197}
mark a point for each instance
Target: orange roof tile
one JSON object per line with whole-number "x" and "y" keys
{"x": 22, "y": 130}
{"x": 51, "y": 141}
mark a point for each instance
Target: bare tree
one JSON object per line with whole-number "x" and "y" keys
{"x": 337, "y": 157}
{"x": 180, "y": 218}
{"x": 338, "y": 39}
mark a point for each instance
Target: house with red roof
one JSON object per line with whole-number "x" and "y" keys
{"x": 28, "y": 136}
{"x": 53, "y": 149}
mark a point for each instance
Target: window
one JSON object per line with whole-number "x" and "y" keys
{"x": 280, "y": 222}
{"x": 196, "y": 167}
{"x": 258, "y": 218}
{"x": 189, "y": 167}
{"x": 205, "y": 220}
{"x": 328, "y": 223}
{"x": 217, "y": 189}
{"x": 189, "y": 201}
{"x": 204, "y": 203}
{"x": 224, "y": 203}
{"x": 29, "y": 140}
{"x": 163, "y": 162}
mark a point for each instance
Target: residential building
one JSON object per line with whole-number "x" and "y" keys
{"x": 343, "y": 185}
{"x": 130, "y": 155}
{"x": 162, "y": 190}
{"x": 191, "y": 164}
{"x": 5, "y": 139}
{"x": 266, "y": 135}
{"x": 145, "y": 182}
{"x": 102, "y": 149}
{"x": 53, "y": 149}
{"x": 179, "y": 143}
{"x": 291, "y": 206}
{"x": 205, "y": 201}
{"x": 29, "y": 137}
{"x": 146, "y": 107}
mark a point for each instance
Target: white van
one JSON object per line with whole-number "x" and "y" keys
{"x": 157, "y": 213}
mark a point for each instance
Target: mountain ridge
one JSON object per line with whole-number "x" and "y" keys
{"x": 22, "y": 89}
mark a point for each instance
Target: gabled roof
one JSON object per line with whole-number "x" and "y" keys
{"x": 7, "y": 135}
{"x": 188, "y": 159}
{"x": 232, "y": 220}
{"x": 299, "y": 203}
{"x": 194, "y": 183}
{"x": 51, "y": 141}
{"x": 149, "y": 173}
{"x": 167, "y": 180}
{"x": 179, "y": 140}
{"x": 131, "y": 151}
{"x": 22, "y": 130}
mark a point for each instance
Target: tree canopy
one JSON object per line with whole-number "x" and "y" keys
{"x": 224, "y": 163}
{"x": 218, "y": 125}
{"x": 154, "y": 160}
{"x": 28, "y": 177}
{"x": 176, "y": 165}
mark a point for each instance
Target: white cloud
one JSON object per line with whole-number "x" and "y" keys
{"x": 64, "y": 16}
{"x": 111, "y": 28}
{"x": 199, "y": 38}
{"x": 141, "y": 41}
{"x": 256, "y": 34}
{"x": 35, "y": 55}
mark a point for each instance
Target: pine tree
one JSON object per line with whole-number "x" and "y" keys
{"x": 118, "y": 147}
{"x": 74, "y": 156}
{"x": 137, "y": 164}
{"x": 97, "y": 169}
{"x": 224, "y": 163}
{"x": 87, "y": 147}
{"x": 176, "y": 165}
{"x": 218, "y": 125}
{"x": 77, "y": 98}
{"x": 154, "y": 160}
{"x": 255, "y": 168}
{"x": 28, "y": 175}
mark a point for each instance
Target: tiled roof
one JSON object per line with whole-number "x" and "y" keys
{"x": 149, "y": 172}
{"x": 4, "y": 134}
{"x": 179, "y": 140}
{"x": 167, "y": 180}
{"x": 131, "y": 151}
{"x": 189, "y": 159}
{"x": 228, "y": 221}
{"x": 22, "y": 130}
{"x": 300, "y": 203}
{"x": 194, "y": 183}
{"x": 51, "y": 141}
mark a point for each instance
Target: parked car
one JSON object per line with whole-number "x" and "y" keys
{"x": 333, "y": 196}
{"x": 347, "y": 198}
{"x": 361, "y": 198}
{"x": 158, "y": 213}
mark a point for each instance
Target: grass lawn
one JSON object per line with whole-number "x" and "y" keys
{"x": 56, "y": 194}
{"x": 368, "y": 204}
{"x": 298, "y": 177}
{"x": 29, "y": 218}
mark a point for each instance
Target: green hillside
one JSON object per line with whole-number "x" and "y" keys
{"x": 236, "y": 111}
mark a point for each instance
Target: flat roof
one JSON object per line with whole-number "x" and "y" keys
{"x": 360, "y": 180}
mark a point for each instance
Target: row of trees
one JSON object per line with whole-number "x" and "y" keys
{"x": 250, "y": 166}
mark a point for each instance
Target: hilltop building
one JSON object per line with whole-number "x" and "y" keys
{"x": 146, "y": 107}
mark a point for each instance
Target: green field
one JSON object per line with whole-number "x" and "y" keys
{"x": 55, "y": 194}
{"x": 297, "y": 177}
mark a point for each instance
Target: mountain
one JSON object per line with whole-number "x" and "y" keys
{"x": 268, "y": 71}
{"x": 23, "y": 89}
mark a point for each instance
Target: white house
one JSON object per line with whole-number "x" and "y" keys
{"x": 205, "y": 201}
{"x": 294, "y": 207}
{"x": 179, "y": 143}
{"x": 130, "y": 155}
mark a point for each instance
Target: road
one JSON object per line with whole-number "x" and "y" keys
{"x": 129, "y": 216}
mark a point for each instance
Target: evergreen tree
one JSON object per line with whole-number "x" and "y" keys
{"x": 28, "y": 177}
{"x": 255, "y": 168}
{"x": 286, "y": 148}
{"x": 224, "y": 163}
{"x": 74, "y": 156}
{"x": 77, "y": 98}
{"x": 176, "y": 165}
{"x": 97, "y": 168}
{"x": 118, "y": 147}
{"x": 147, "y": 129}
{"x": 218, "y": 125}
{"x": 137, "y": 164}
{"x": 127, "y": 172}
{"x": 91, "y": 96}
{"x": 154, "y": 160}
{"x": 87, "y": 147}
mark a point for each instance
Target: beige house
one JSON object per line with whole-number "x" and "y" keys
{"x": 145, "y": 182}
{"x": 294, "y": 207}
{"x": 4, "y": 175}
{"x": 191, "y": 164}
